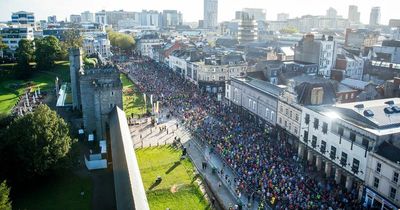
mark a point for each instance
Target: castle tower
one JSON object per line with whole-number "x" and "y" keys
{"x": 75, "y": 69}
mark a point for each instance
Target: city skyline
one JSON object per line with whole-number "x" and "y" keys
{"x": 194, "y": 11}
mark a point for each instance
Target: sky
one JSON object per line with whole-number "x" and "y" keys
{"x": 193, "y": 9}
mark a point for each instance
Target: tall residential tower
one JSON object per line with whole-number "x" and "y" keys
{"x": 210, "y": 13}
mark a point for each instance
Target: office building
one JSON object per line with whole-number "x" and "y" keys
{"x": 375, "y": 16}
{"x": 87, "y": 17}
{"x": 210, "y": 14}
{"x": 354, "y": 14}
{"x": 23, "y": 19}
{"x": 52, "y": 19}
{"x": 331, "y": 13}
{"x": 101, "y": 17}
{"x": 256, "y": 13}
{"x": 75, "y": 18}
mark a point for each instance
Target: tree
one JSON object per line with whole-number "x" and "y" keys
{"x": 72, "y": 39}
{"x": 5, "y": 203}
{"x": 289, "y": 30}
{"x": 41, "y": 147}
{"x": 24, "y": 55}
{"x": 2, "y": 45}
{"x": 122, "y": 41}
{"x": 47, "y": 51}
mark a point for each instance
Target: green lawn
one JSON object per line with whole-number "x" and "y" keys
{"x": 44, "y": 79}
{"x": 62, "y": 192}
{"x": 177, "y": 189}
{"x": 132, "y": 99}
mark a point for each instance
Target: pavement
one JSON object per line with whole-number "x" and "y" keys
{"x": 222, "y": 185}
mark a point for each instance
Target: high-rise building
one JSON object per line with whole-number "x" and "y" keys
{"x": 256, "y": 13}
{"x": 101, "y": 17}
{"x": 171, "y": 18}
{"x": 354, "y": 14}
{"x": 282, "y": 16}
{"x": 210, "y": 14}
{"x": 247, "y": 30}
{"x": 375, "y": 16}
{"x": 331, "y": 13}
{"x": 75, "y": 18}
{"x": 113, "y": 17}
{"x": 150, "y": 18}
{"x": 52, "y": 19}
{"x": 23, "y": 19}
{"x": 87, "y": 17}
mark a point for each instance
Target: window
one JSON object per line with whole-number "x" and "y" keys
{"x": 281, "y": 109}
{"x": 297, "y": 117}
{"x": 307, "y": 119}
{"x": 333, "y": 153}
{"x": 378, "y": 167}
{"x": 272, "y": 115}
{"x": 305, "y": 137}
{"x": 316, "y": 123}
{"x": 285, "y": 123}
{"x": 392, "y": 193}
{"x": 266, "y": 112}
{"x": 376, "y": 182}
{"x": 250, "y": 103}
{"x": 287, "y": 111}
{"x": 291, "y": 114}
{"x": 395, "y": 177}
{"x": 323, "y": 147}
{"x": 340, "y": 131}
{"x": 365, "y": 143}
{"x": 295, "y": 130}
{"x": 343, "y": 160}
{"x": 324, "y": 127}
{"x": 280, "y": 120}
{"x": 290, "y": 126}
{"x": 356, "y": 165}
{"x": 352, "y": 136}
{"x": 112, "y": 93}
{"x": 314, "y": 141}
{"x": 254, "y": 105}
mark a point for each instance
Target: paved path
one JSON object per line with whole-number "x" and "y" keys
{"x": 146, "y": 135}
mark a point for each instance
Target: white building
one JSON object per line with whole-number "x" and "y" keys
{"x": 75, "y": 18}
{"x": 353, "y": 66}
{"x": 101, "y": 17}
{"x": 319, "y": 51}
{"x": 97, "y": 43}
{"x": 258, "y": 99}
{"x": 146, "y": 41}
{"x": 87, "y": 16}
{"x": 289, "y": 113}
{"x": 12, "y": 36}
{"x": 382, "y": 180}
{"x": 23, "y": 19}
{"x": 338, "y": 139}
{"x": 389, "y": 51}
{"x": 210, "y": 14}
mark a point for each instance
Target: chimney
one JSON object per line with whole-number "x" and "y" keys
{"x": 317, "y": 95}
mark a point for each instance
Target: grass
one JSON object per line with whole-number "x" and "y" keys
{"x": 177, "y": 189}
{"x": 61, "y": 192}
{"x": 133, "y": 101}
{"x": 44, "y": 80}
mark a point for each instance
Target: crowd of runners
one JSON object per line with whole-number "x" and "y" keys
{"x": 266, "y": 169}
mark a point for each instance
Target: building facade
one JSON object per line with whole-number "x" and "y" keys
{"x": 11, "y": 37}
{"x": 319, "y": 51}
{"x": 256, "y": 99}
{"x": 210, "y": 14}
{"x": 375, "y": 16}
{"x": 23, "y": 19}
{"x": 87, "y": 16}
